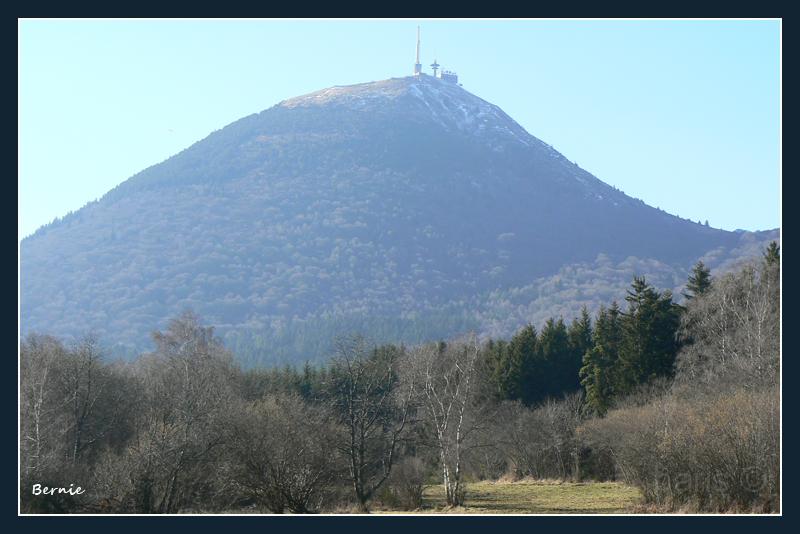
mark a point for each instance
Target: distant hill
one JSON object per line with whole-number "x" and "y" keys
{"x": 407, "y": 209}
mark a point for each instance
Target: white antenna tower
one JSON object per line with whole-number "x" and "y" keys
{"x": 417, "y": 65}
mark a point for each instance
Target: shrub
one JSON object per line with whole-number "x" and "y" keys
{"x": 715, "y": 453}
{"x": 407, "y": 483}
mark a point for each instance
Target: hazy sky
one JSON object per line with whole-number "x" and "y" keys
{"x": 682, "y": 114}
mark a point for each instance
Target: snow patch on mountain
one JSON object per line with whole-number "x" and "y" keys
{"x": 449, "y": 105}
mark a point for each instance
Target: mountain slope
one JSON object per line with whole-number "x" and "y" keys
{"x": 386, "y": 207}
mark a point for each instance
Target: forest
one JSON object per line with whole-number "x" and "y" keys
{"x": 681, "y": 401}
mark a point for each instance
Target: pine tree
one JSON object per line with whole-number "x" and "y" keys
{"x": 649, "y": 344}
{"x": 580, "y": 341}
{"x": 521, "y": 354}
{"x": 307, "y": 382}
{"x": 699, "y": 281}
{"x": 772, "y": 256}
{"x": 553, "y": 372}
{"x": 599, "y": 362}
{"x": 494, "y": 354}
{"x": 580, "y": 332}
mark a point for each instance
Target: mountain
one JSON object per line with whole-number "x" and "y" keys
{"x": 408, "y": 209}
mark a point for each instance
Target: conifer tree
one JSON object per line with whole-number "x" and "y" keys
{"x": 521, "y": 355}
{"x": 699, "y": 281}
{"x": 649, "y": 343}
{"x": 495, "y": 358}
{"x": 772, "y": 256}
{"x": 599, "y": 363}
{"x": 307, "y": 382}
{"x": 552, "y": 370}
{"x": 580, "y": 341}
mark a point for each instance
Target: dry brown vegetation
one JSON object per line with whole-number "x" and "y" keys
{"x": 536, "y": 497}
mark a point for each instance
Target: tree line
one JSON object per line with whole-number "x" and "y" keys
{"x": 679, "y": 400}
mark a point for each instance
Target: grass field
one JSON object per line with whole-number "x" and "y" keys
{"x": 537, "y": 497}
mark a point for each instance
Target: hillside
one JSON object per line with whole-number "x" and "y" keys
{"x": 408, "y": 209}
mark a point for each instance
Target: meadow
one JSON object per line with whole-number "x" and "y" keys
{"x": 536, "y": 497}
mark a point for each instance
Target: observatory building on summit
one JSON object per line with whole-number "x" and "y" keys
{"x": 444, "y": 75}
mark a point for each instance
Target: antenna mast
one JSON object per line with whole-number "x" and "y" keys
{"x": 417, "y": 65}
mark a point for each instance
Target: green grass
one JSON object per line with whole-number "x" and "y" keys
{"x": 538, "y": 497}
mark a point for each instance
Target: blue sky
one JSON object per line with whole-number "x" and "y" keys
{"x": 682, "y": 114}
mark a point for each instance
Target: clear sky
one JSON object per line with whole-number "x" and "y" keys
{"x": 682, "y": 114}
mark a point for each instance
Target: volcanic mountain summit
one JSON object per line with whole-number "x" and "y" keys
{"x": 406, "y": 209}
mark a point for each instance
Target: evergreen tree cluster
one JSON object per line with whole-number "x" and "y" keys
{"x": 533, "y": 365}
{"x": 608, "y": 359}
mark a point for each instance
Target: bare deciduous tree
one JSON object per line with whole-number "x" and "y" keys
{"x": 187, "y": 393}
{"x": 40, "y": 405}
{"x": 93, "y": 396}
{"x": 372, "y": 405}
{"x": 281, "y": 450}
{"x": 541, "y": 442}
{"x": 71, "y": 409}
{"x": 734, "y": 329}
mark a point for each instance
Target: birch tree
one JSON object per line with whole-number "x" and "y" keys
{"x": 735, "y": 329}
{"x": 41, "y": 431}
{"x": 447, "y": 377}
